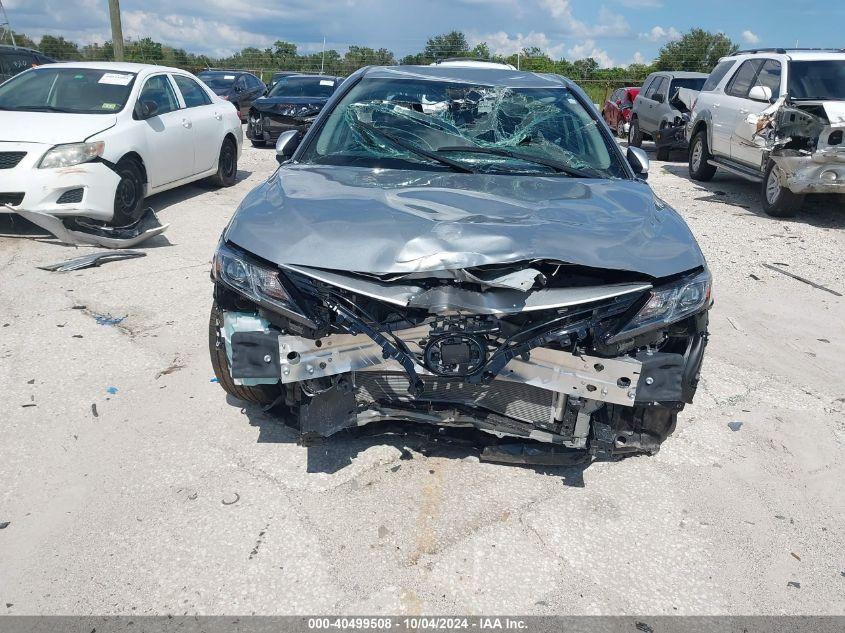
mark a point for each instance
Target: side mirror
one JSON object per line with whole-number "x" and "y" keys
{"x": 760, "y": 93}
{"x": 659, "y": 98}
{"x": 147, "y": 109}
{"x": 286, "y": 145}
{"x": 638, "y": 160}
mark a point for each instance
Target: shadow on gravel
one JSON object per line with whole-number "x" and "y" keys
{"x": 172, "y": 197}
{"x": 826, "y": 212}
{"x": 335, "y": 453}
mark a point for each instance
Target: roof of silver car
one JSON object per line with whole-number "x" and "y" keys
{"x": 484, "y": 76}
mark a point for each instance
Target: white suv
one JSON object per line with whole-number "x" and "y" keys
{"x": 776, "y": 117}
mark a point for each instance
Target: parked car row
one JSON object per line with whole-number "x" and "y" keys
{"x": 92, "y": 140}
{"x": 772, "y": 116}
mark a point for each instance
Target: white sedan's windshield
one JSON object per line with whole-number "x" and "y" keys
{"x": 76, "y": 90}
{"x": 424, "y": 124}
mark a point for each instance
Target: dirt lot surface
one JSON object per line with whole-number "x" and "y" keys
{"x": 131, "y": 485}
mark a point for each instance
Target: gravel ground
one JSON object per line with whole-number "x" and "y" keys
{"x": 165, "y": 498}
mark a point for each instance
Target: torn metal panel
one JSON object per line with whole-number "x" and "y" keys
{"x": 79, "y": 231}
{"x": 805, "y": 140}
{"x": 91, "y": 260}
{"x": 452, "y": 299}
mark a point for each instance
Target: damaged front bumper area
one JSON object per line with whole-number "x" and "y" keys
{"x": 600, "y": 368}
{"x": 806, "y": 140}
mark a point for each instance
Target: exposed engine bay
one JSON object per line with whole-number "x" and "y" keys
{"x": 574, "y": 357}
{"x": 805, "y": 139}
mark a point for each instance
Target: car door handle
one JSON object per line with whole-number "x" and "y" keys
{"x": 218, "y": 116}
{"x": 186, "y": 123}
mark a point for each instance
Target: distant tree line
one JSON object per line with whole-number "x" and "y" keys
{"x": 696, "y": 50}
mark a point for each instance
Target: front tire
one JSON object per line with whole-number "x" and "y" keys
{"x": 778, "y": 201}
{"x": 635, "y": 135}
{"x": 227, "y": 165}
{"x": 699, "y": 155}
{"x": 129, "y": 195}
{"x": 259, "y": 394}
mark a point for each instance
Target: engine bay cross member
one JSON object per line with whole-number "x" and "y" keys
{"x": 462, "y": 247}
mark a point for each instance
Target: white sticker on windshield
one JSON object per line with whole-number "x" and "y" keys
{"x": 228, "y": 76}
{"x": 326, "y": 82}
{"x": 115, "y": 79}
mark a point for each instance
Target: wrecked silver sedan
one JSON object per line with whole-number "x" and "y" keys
{"x": 462, "y": 247}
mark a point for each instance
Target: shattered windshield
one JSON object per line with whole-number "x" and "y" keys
{"x": 437, "y": 125}
{"x": 823, "y": 80}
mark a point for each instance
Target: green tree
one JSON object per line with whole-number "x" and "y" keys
{"x": 452, "y": 44}
{"x": 21, "y": 39}
{"x": 59, "y": 48}
{"x": 585, "y": 68}
{"x": 697, "y": 51}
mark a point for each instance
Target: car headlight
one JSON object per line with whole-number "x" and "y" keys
{"x": 256, "y": 281}
{"x": 72, "y": 154}
{"x": 669, "y": 304}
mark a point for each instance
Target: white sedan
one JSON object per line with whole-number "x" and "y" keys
{"x": 94, "y": 139}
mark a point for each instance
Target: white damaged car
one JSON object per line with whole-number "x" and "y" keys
{"x": 87, "y": 142}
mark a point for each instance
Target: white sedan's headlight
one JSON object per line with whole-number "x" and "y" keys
{"x": 72, "y": 154}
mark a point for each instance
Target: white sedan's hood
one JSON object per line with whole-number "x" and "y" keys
{"x": 51, "y": 128}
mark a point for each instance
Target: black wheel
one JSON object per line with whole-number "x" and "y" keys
{"x": 227, "y": 165}
{"x": 699, "y": 154}
{"x": 778, "y": 201}
{"x": 129, "y": 195}
{"x": 635, "y": 135}
{"x": 259, "y": 394}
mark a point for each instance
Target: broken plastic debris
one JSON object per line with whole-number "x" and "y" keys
{"x": 94, "y": 410}
{"x": 214, "y": 380}
{"x": 92, "y": 260}
{"x": 79, "y": 231}
{"x": 107, "y": 319}
{"x": 735, "y": 426}
{"x": 111, "y": 390}
{"x": 793, "y": 583}
{"x": 801, "y": 279}
{"x": 4, "y": 525}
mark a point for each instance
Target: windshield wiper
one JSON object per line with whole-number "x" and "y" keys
{"x": 547, "y": 162}
{"x": 42, "y": 108}
{"x": 416, "y": 150}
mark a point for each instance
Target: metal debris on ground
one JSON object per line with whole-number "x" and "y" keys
{"x": 228, "y": 501}
{"x": 92, "y": 260}
{"x": 94, "y": 410}
{"x": 735, "y": 426}
{"x": 802, "y": 279}
{"x": 795, "y": 556}
{"x": 793, "y": 583}
{"x": 4, "y": 525}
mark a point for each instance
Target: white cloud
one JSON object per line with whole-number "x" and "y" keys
{"x": 588, "y": 48}
{"x": 659, "y": 34}
{"x": 749, "y": 37}
{"x": 637, "y": 59}
{"x": 609, "y": 24}
{"x": 502, "y": 43}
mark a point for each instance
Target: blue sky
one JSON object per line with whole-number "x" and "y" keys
{"x": 615, "y": 32}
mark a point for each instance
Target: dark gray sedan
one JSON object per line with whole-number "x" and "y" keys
{"x": 463, "y": 247}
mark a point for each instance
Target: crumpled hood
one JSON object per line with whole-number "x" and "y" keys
{"x": 51, "y": 128}
{"x": 395, "y": 221}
